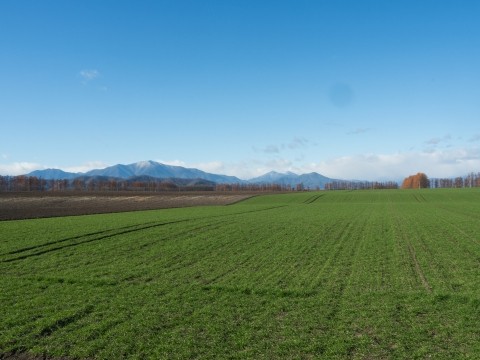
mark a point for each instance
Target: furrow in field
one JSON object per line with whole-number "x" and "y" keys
{"x": 264, "y": 260}
{"x": 418, "y": 268}
{"x": 194, "y": 251}
{"x": 339, "y": 240}
{"x": 343, "y": 271}
{"x": 372, "y": 269}
{"x": 284, "y": 263}
{"x": 340, "y": 286}
{"x": 200, "y": 253}
{"x": 251, "y": 244}
{"x": 460, "y": 212}
{"x": 452, "y": 260}
{"x": 406, "y": 241}
{"x": 312, "y": 199}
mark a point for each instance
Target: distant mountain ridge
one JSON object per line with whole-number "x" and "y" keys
{"x": 162, "y": 171}
{"x": 311, "y": 180}
{"x": 158, "y": 170}
{"x": 54, "y": 174}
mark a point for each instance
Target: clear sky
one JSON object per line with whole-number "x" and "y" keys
{"x": 350, "y": 89}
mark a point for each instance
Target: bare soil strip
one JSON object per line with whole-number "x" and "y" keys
{"x": 40, "y": 205}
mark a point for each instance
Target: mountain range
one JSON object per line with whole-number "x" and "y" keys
{"x": 162, "y": 171}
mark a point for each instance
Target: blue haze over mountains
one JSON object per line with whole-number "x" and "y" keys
{"x": 162, "y": 171}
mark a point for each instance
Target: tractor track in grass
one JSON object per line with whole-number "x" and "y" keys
{"x": 412, "y": 253}
{"x": 312, "y": 199}
{"x": 418, "y": 268}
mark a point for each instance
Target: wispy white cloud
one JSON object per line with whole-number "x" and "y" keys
{"x": 474, "y": 138}
{"x": 438, "y": 140}
{"x": 172, "y": 162}
{"x": 19, "y": 168}
{"x": 269, "y": 149}
{"x": 391, "y": 166}
{"x": 22, "y": 168}
{"x": 216, "y": 167}
{"x": 244, "y": 169}
{"x": 439, "y": 163}
{"x": 89, "y": 75}
{"x": 91, "y": 165}
{"x": 212, "y": 166}
{"x": 296, "y": 143}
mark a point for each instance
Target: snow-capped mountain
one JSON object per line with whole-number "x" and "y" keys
{"x": 158, "y": 170}
{"x": 148, "y": 168}
{"x": 162, "y": 171}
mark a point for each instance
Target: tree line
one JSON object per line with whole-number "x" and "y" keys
{"x": 421, "y": 181}
{"x": 25, "y": 183}
{"x": 468, "y": 181}
{"x": 360, "y": 185}
{"x": 417, "y": 181}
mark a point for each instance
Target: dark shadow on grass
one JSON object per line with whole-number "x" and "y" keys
{"x": 137, "y": 228}
{"x": 105, "y": 234}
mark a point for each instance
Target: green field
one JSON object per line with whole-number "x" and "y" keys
{"x": 389, "y": 274}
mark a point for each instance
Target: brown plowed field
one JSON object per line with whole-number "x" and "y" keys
{"x": 14, "y": 206}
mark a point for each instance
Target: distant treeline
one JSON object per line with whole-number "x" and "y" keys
{"x": 421, "y": 180}
{"x": 360, "y": 185}
{"x": 150, "y": 184}
{"x": 417, "y": 181}
{"x": 470, "y": 180}
{"x": 32, "y": 183}
{"x": 24, "y": 183}
{"x": 252, "y": 187}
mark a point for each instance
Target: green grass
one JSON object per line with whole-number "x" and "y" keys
{"x": 354, "y": 275}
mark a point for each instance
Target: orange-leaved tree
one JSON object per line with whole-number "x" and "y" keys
{"x": 418, "y": 181}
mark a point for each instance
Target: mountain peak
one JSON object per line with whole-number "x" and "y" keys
{"x": 145, "y": 164}
{"x": 158, "y": 170}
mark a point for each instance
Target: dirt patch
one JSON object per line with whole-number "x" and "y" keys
{"x": 39, "y": 205}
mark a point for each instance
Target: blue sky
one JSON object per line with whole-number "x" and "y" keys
{"x": 350, "y": 89}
